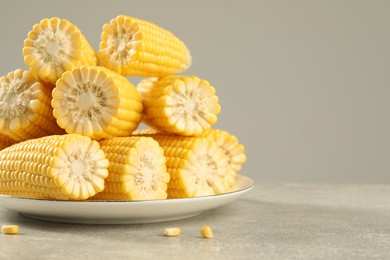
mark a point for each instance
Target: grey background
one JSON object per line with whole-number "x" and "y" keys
{"x": 303, "y": 84}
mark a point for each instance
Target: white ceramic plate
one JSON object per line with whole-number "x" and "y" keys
{"x": 122, "y": 212}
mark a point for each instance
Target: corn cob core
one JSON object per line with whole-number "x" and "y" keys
{"x": 197, "y": 166}
{"x": 54, "y": 46}
{"x": 234, "y": 151}
{"x": 25, "y": 110}
{"x": 59, "y": 167}
{"x": 133, "y": 47}
{"x": 184, "y": 105}
{"x": 137, "y": 169}
{"x": 96, "y": 102}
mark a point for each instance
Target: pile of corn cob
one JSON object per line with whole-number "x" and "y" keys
{"x": 67, "y": 125}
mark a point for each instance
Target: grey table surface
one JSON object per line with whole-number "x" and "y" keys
{"x": 273, "y": 221}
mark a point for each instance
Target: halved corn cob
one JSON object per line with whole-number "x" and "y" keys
{"x": 96, "y": 102}
{"x": 54, "y": 46}
{"x": 25, "y": 110}
{"x": 133, "y": 47}
{"x": 137, "y": 169}
{"x": 197, "y": 166}
{"x": 184, "y": 105}
{"x": 5, "y": 141}
{"x": 59, "y": 167}
{"x": 232, "y": 148}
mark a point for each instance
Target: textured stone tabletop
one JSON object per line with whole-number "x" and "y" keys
{"x": 273, "y": 221}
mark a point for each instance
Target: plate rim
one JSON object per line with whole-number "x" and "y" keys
{"x": 246, "y": 188}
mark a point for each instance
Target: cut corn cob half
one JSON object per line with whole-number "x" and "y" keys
{"x": 96, "y": 102}
{"x": 137, "y": 169}
{"x": 54, "y": 46}
{"x": 25, "y": 110}
{"x": 58, "y": 167}
{"x": 5, "y": 141}
{"x": 133, "y": 47}
{"x": 184, "y": 105}
{"x": 232, "y": 148}
{"x": 197, "y": 166}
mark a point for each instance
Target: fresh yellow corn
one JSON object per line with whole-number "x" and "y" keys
{"x": 54, "y": 46}
{"x": 172, "y": 232}
{"x": 206, "y": 232}
{"x": 58, "y": 167}
{"x": 133, "y": 47}
{"x": 137, "y": 169}
{"x": 25, "y": 110}
{"x": 5, "y": 141}
{"x": 10, "y": 229}
{"x": 232, "y": 148}
{"x": 96, "y": 102}
{"x": 198, "y": 167}
{"x": 184, "y": 105}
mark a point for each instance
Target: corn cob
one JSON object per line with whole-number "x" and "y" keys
{"x": 59, "y": 167}
{"x": 96, "y": 102}
{"x": 184, "y": 105}
{"x": 197, "y": 166}
{"x": 232, "y": 148}
{"x": 5, "y": 141}
{"x": 137, "y": 169}
{"x": 54, "y": 46}
{"x": 25, "y": 110}
{"x": 133, "y": 47}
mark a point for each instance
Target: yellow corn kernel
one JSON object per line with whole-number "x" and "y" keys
{"x": 134, "y": 47}
{"x": 10, "y": 229}
{"x": 232, "y": 148}
{"x": 96, "y": 102}
{"x": 137, "y": 169}
{"x": 197, "y": 166}
{"x": 58, "y": 167}
{"x": 54, "y": 46}
{"x": 172, "y": 232}
{"x": 206, "y": 232}
{"x": 184, "y": 105}
{"x": 25, "y": 111}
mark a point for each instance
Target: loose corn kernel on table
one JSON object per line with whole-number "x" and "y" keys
{"x": 273, "y": 221}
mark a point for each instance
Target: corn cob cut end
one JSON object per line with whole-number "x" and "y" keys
{"x": 231, "y": 146}
{"x": 56, "y": 45}
{"x": 96, "y": 102}
{"x": 137, "y": 169}
{"x": 196, "y": 165}
{"x": 25, "y": 111}
{"x": 133, "y": 47}
{"x": 79, "y": 167}
{"x": 233, "y": 149}
{"x": 184, "y": 105}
